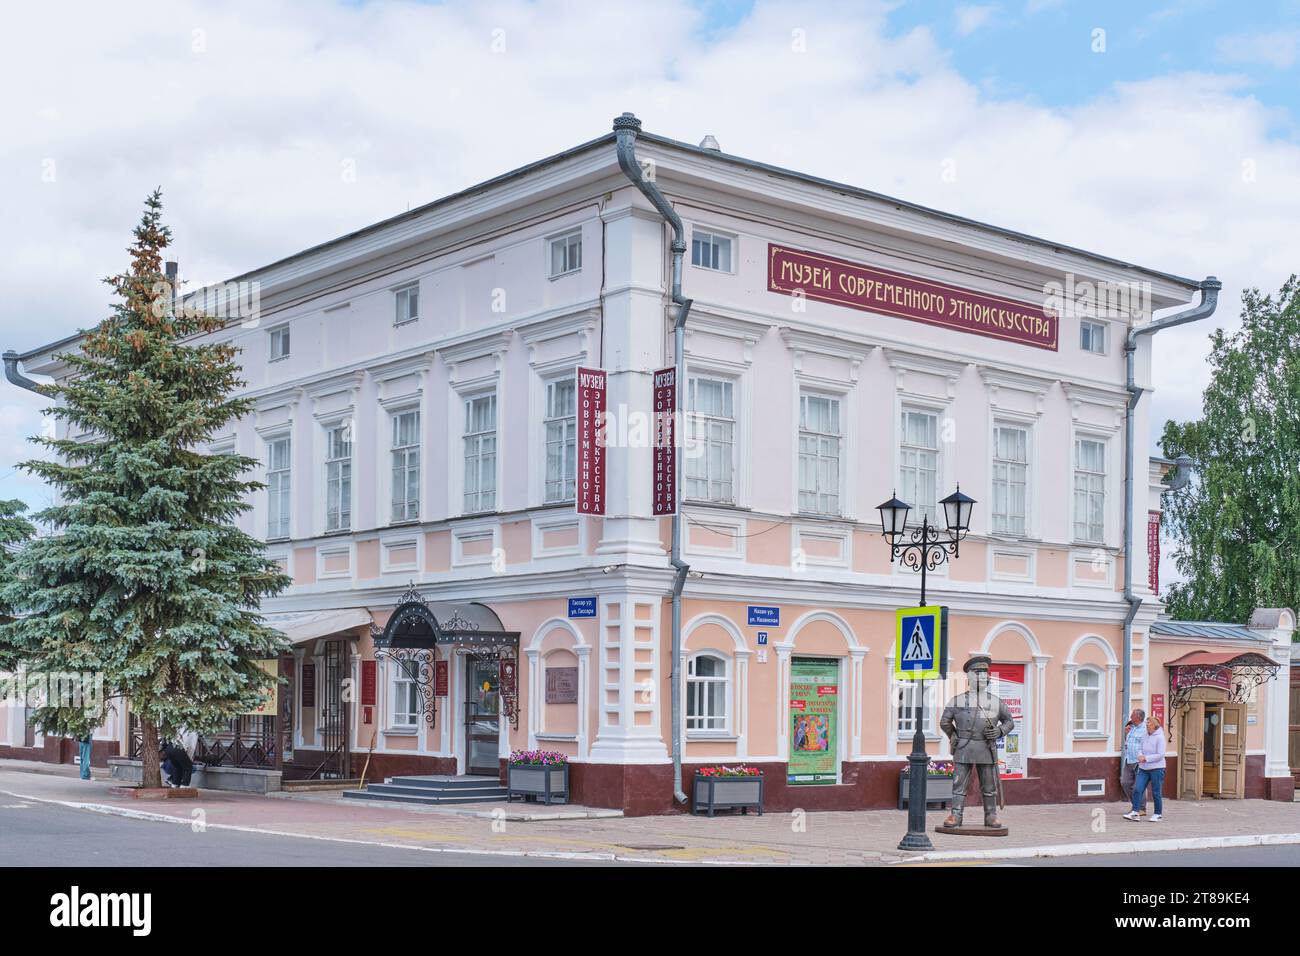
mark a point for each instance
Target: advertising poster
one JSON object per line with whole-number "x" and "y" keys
{"x": 1009, "y": 684}
{"x": 590, "y": 498}
{"x": 665, "y": 446}
{"x": 814, "y": 696}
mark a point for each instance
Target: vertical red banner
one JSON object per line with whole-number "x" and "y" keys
{"x": 441, "y": 678}
{"x": 590, "y": 497}
{"x": 368, "y": 683}
{"x": 1158, "y": 707}
{"x": 665, "y": 448}
{"x": 1153, "y": 551}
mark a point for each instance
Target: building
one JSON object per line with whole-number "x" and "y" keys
{"x": 417, "y": 415}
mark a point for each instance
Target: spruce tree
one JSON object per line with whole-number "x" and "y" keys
{"x": 144, "y": 577}
{"x": 15, "y": 532}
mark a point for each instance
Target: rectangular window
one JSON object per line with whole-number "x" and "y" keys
{"x": 1092, "y": 337}
{"x": 566, "y": 254}
{"x": 710, "y": 250}
{"x": 406, "y": 466}
{"x": 905, "y": 698}
{"x": 1090, "y": 490}
{"x": 561, "y": 433}
{"x": 710, "y": 440}
{"x": 279, "y": 343}
{"x": 277, "y": 488}
{"x": 819, "y": 454}
{"x": 408, "y": 305}
{"x": 1087, "y": 702}
{"x": 1010, "y": 478}
{"x": 406, "y": 697}
{"x": 338, "y": 478}
{"x": 918, "y": 462}
{"x": 480, "y": 453}
{"x": 706, "y": 693}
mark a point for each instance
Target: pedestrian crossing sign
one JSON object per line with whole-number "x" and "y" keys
{"x": 921, "y": 643}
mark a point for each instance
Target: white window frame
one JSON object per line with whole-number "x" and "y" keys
{"x": 279, "y": 480}
{"x": 1097, "y": 328}
{"x": 400, "y": 684}
{"x": 402, "y": 304}
{"x": 1079, "y": 720}
{"x": 278, "y": 335}
{"x": 409, "y": 507}
{"x": 710, "y": 236}
{"x": 695, "y": 684}
{"x": 918, "y": 506}
{"x": 480, "y": 505}
{"x": 1104, "y": 478}
{"x": 692, "y": 425}
{"x": 803, "y": 432}
{"x": 565, "y": 244}
{"x": 1027, "y": 465}
{"x": 345, "y": 475}
{"x": 568, "y": 441}
{"x": 905, "y": 706}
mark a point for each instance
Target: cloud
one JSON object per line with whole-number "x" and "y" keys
{"x": 247, "y": 112}
{"x": 971, "y": 18}
{"x": 1277, "y": 50}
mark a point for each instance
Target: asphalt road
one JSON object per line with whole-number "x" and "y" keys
{"x": 38, "y": 834}
{"x": 1236, "y": 856}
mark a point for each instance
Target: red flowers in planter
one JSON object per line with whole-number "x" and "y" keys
{"x": 739, "y": 770}
{"x": 537, "y": 758}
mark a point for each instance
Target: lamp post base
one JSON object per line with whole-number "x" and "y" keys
{"x": 916, "y": 841}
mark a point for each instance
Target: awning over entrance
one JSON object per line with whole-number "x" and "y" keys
{"x": 303, "y": 626}
{"x": 1236, "y": 672}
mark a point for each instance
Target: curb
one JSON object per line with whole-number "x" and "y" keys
{"x": 1103, "y": 849}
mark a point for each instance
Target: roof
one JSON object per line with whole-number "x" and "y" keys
{"x": 608, "y": 140}
{"x": 1212, "y": 629}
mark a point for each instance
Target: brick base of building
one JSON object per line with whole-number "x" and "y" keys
{"x": 62, "y": 750}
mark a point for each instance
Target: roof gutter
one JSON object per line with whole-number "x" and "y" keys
{"x": 626, "y": 128}
{"x": 1210, "y": 287}
{"x": 16, "y": 377}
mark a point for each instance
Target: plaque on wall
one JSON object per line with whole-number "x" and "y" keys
{"x": 308, "y": 684}
{"x": 561, "y": 685}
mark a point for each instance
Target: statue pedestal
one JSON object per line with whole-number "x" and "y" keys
{"x": 973, "y": 831}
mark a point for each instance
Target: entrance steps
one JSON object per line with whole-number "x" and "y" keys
{"x": 433, "y": 790}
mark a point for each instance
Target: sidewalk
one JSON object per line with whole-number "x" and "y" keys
{"x": 863, "y": 837}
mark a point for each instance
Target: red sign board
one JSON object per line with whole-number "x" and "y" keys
{"x": 838, "y": 281}
{"x": 441, "y": 675}
{"x": 664, "y": 480}
{"x": 590, "y": 499}
{"x": 368, "y": 684}
{"x": 1158, "y": 707}
{"x": 1153, "y": 551}
{"x": 308, "y": 684}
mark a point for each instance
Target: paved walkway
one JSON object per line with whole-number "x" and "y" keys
{"x": 863, "y": 837}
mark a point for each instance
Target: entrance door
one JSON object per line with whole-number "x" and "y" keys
{"x": 333, "y": 714}
{"x": 1232, "y": 750}
{"x": 482, "y": 717}
{"x": 1190, "y": 736}
{"x": 1293, "y": 746}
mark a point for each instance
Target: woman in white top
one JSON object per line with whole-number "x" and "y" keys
{"x": 1151, "y": 769}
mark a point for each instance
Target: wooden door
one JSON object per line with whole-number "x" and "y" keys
{"x": 1232, "y": 751}
{"x": 1189, "y": 751}
{"x": 1293, "y": 746}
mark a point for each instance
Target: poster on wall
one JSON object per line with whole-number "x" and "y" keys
{"x": 590, "y": 496}
{"x": 814, "y": 696}
{"x": 1009, "y": 684}
{"x": 665, "y": 443}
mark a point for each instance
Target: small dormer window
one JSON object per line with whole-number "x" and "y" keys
{"x": 279, "y": 343}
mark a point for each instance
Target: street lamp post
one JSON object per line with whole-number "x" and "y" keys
{"x": 926, "y": 550}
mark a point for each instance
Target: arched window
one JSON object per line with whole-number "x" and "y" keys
{"x": 1087, "y": 701}
{"x": 706, "y": 693}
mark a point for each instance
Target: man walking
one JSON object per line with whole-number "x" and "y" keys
{"x": 1135, "y": 732}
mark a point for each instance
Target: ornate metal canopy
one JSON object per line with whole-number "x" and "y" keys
{"x": 1236, "y": 672}
{"x": 417, "y": 629}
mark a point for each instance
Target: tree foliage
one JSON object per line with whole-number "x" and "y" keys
{"x": 1237, "y": 525}
{"x": 144, "y": 577}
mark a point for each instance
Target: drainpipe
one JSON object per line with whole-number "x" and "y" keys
{"x": 625, "y": 129}
{"x": 17, "y": 377}
{"x": 1209, "y": 302}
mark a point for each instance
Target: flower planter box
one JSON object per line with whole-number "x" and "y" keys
{"x": 727, "y": 793}
{"x": 938, "y": 790}
{"x": 546, "y": 782}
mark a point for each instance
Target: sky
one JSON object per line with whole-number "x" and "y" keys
{"x": 1160, "y": 133}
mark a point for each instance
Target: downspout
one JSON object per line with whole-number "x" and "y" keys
{"x": 1209, "y": 302}
{"x": 16, "y": 377}
{"x": 625, "y": 129}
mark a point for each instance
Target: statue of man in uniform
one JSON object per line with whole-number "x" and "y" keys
{"x": 975, "y": 721}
